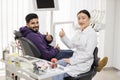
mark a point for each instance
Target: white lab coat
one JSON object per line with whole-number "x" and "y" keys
{"x": 83, "y": 43}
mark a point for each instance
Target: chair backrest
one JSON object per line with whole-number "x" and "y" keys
{"x": 95, "y": 62}
{"x": 28, "y": 48}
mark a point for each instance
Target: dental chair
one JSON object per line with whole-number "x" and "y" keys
{"x": 28, "y": 48}
{"x": 90, "y": 74}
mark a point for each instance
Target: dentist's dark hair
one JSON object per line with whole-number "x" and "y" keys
{"x": 85, "y": 12}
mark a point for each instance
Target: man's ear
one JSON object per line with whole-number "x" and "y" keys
{"x": 27, "y": 24}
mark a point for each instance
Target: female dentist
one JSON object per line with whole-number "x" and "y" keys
{"x": 83, "y": 43}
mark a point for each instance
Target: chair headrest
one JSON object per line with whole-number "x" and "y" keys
{"x": 17, "y": 34}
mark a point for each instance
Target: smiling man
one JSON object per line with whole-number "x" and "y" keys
{"x": 31, "y": 32}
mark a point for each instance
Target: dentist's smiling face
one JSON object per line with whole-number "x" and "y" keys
{"x": 83, "y": 20}
{"x": 33, "y": 24}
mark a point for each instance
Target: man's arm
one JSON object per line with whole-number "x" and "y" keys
{"x": 47, "y": 53}
{"x": 48, "y": 38}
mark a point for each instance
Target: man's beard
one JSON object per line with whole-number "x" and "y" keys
{"x": 35, "y": 29}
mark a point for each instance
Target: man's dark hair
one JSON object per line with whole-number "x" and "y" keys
{"x": 30, "y": 16}
{"x": 85, "y": 12}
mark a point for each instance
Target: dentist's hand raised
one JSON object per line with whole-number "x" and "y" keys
{"x": 62, "y": 33}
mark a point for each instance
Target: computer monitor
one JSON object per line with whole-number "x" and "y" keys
{"x": 47, "y": 5}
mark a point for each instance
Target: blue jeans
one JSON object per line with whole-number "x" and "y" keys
{"x": 61, "y": 76}
{"x": 64, "y": 54}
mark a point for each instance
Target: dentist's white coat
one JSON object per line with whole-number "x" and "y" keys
{"x": 83, "y": 43}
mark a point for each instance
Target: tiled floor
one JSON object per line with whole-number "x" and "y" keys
{"x": 105, "y": 74}
{"x": 108, "y": 74}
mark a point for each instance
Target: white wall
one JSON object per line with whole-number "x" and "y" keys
{"x": 109, "y": 31}
{"x": 112, "y": 31}
{"x": 116, "y": 55}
